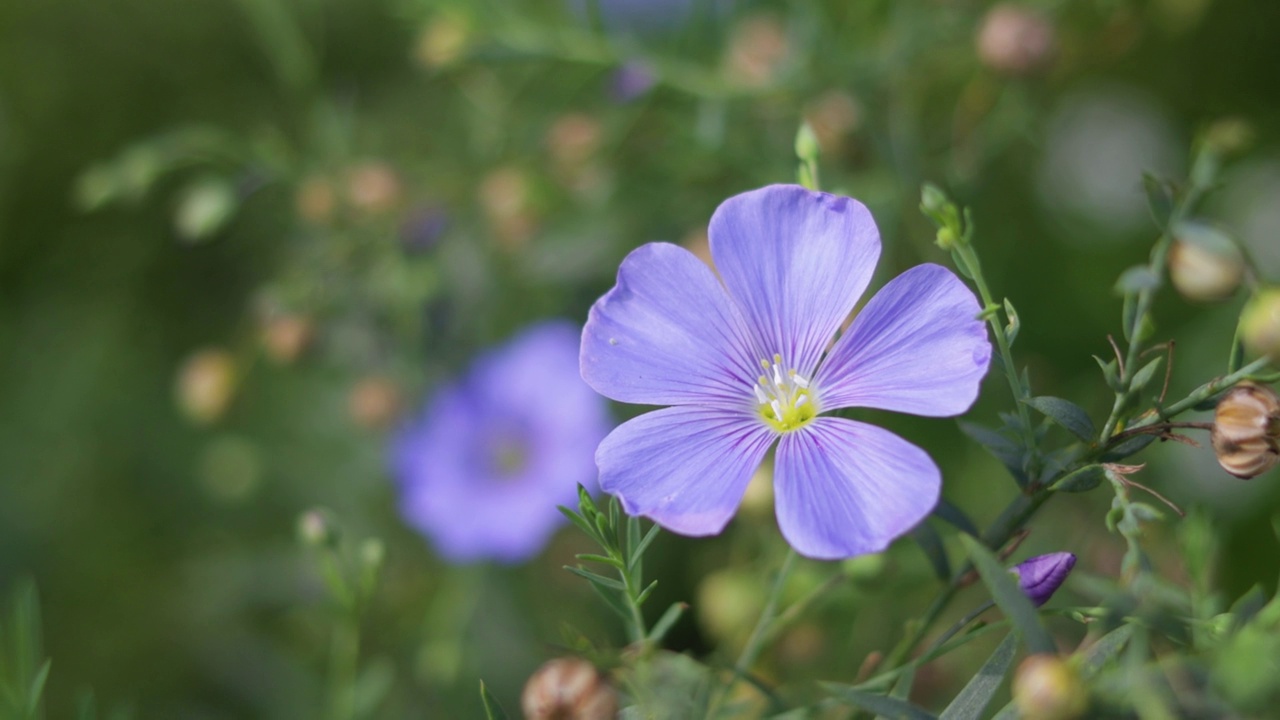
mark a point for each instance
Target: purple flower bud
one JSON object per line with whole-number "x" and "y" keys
{"x": 1040, "y": 576}
{"x": 422, "y": 228}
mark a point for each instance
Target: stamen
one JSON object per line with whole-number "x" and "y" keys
{"x": 777, "y": 376}
{"x": 799, "y": 380}
{"x": 800, "y": 402}
{"x": 764, "y": 400}
{"x": 777, "y": 409}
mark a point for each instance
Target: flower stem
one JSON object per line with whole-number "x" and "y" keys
{"x": 761, "y": 632}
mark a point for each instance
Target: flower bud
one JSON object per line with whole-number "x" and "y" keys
{"x": 315, "y": 529}
{"x": 205, "y": 385}
{"x": 568, "y": 689}
{"x": 1260, "y": 324}
{"x": 1204, "y": 264}
{"x": 631, "y": 81}
{"x": 1016, "y": 40}
{"x": 758, "y": 48}
{"x": 373, "y": 187}
{"x": 285, "y": 336}
{"x": 204, "y": 208}
{"x": 1041, "y": 576}
{"x": 1045, "y": 687}
{"x": 315, "y": 200}
{"x": 374, "y": 402}
{"x": 1246, "y": 430}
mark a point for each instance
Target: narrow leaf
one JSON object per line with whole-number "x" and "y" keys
{"x": 1104, "y": 650}
{"x": 1011, "y": 330}
{"x": 931, "y": 543}
{"x": 953, "y": 515}
{"x": 1159, "y": 199}
{"x": 1012, "y": 601}
{"x": 1065, "y": 413}
{"x": 36, "y": 691}
{"x": 1081, "y": 480}
{"x": 974, "y": 698}
{"x": 668, "y": 619}
{"x": 884, "y": 705}
{"x": 1143, "y": 376}
{"x": 492, "y": 709}
{"x": 590, "y": 557}
{"x": 597, "y": 579}
{"x": 1008, "y": 452}
{"x": 643, "y": 545}
{"x": 1137, "y": 279}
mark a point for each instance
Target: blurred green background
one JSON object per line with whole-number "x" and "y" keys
{"x": 412, "y": 181}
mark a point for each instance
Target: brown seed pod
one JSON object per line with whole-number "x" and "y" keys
{"x": 1046, "y": 687}
{"x": 1246, "y": 430}
{"x": 568, "y": 689}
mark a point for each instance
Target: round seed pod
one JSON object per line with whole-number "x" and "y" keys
{"x": 568, "y": 689}
{"x": 1260, "y": 323}
{"x": 1046, "y": 687}
{"x": 1246, "y": 430}
{"x": 1204, "y": 264}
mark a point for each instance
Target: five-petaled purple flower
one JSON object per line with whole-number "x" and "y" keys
{"x": 1040, "y": 576}
{"x": 746, "y": 363}
{"x": 484, "y": 467}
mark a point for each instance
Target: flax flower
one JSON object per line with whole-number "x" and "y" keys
{"x": 482, "y": 470}
{"x": 745, "y": 362}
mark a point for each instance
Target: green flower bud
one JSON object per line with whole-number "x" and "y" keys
{"x": 806, "y": 143}
{"x": 204, "y": 208}
{"x": 947, "y": 238}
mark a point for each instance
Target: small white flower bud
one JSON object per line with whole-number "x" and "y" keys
{"x": 1204, "y": 264}
{"x": 1246, "y": 430}
{"x": 568, "y": 689}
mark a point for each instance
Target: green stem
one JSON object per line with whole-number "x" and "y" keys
{"x": 974, "y": 266}
{"x": 756, "y": 642}
{"x": 344, "y": 662}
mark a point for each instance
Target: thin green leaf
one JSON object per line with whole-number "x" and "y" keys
{"x": 880, "y": 704}
{"x": 36, "y": 691}
{"x": 931, "y": 544}
{"x": 582, "y": 523}
{"x": 644, "y": 594}
{"x": 1110, "y": 373}
{"x": 1137, "y": 279}
{"x": 614, "y": 600}
{"x": 1081, "y": 480}
{"x": 643, "y": 545}
{"x": 1008, "y": 452}
{"x": 1128, "y": 447}
{"x": 1160, "y": 200}
{"x": 492, "y": 709}
{"x": 668, "y": 619}
{"x": 597, "y": 579}
{"x": 950, "y": 513}
{"x": 1065, "y": 413}
{"x": 1144, "y": 376}
{"x": 1012, "y": 601}
{"x": 1103, "y": 651}
{"x": 1011, "y": 330}
{"x": 590, "y": 557}
{"x": 976, "y": 695}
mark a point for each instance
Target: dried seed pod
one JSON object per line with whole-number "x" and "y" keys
{"x": 1246, "y": 430}
{"x": 569, "y": 689}
{"x": 1205, "y": 265}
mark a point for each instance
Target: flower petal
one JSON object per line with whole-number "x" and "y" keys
{"x": 684, "y": 468}
{"x": 667, "y": 334}
{"x": 795, "y": 262}
{"x": 846, "y": 488}
{"x": 917, "y": 347}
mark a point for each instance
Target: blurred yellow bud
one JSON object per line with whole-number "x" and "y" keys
{"x": 1016, "y": 40}
{"x": 315, "y": 200}
{"x": 1260, "y": 323}
{"x": 728, "y": 603}
{"x": 1046, "y": 687}
{"x": 568, "y": 689}
{"x": 374, "y": 402}
{"x": 373, "y": 187}
{"x": 206, "y": 383}
{"x": 757, "y": 49}
{"x": 443, "y": 41}
{"x": 1246, "y": 430}
{"x": 285, "y": 337}
{"x": 1204, "y": 264}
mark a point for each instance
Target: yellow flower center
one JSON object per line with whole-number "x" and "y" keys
{"x": 786, "y": 402}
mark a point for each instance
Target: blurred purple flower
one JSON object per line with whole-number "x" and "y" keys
{"x": 793, "y": 263}
{"x": 631, "y": 81}
{"x": 422, "y": 228}
{"x": 484, "y": 466}
{"x": 1040, "y": 576}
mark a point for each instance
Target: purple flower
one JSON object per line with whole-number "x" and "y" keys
{"x": 631, "y": 81}
{"x": 1040, "y": 576}
{"x": 746, "y": 363}
{"x": 422, "y": 228}
{"x": 484, "y": 466}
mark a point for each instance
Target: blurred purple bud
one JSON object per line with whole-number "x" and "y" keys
{"x": 422, "y": 228}
{"x": 1040, "y": 576}
{"x": 631, "y": 81}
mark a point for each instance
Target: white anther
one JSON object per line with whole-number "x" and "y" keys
{"x": 777, "y": 376}
{"x": 803, "y": 399}
{"x": 799, "y": 381}
{"x": 777, "y": 409}
{"x": 764, "y": 399}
